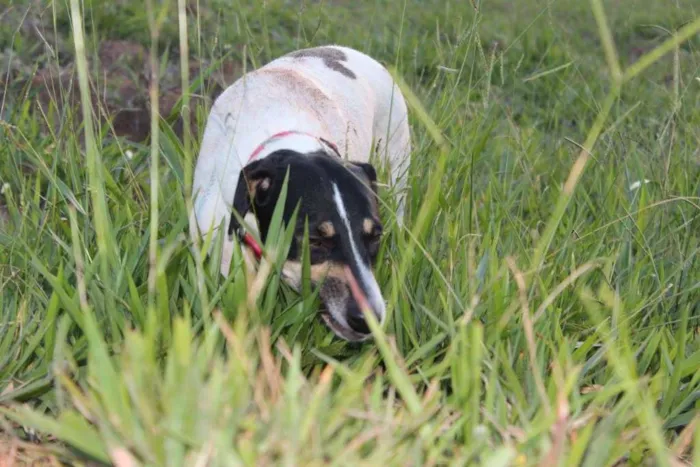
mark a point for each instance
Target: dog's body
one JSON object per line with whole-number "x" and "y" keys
{"x": 311, "y": 110}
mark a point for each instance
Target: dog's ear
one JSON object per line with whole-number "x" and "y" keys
{"x": 254, "y": 183}
{"x": 369, "y": 172}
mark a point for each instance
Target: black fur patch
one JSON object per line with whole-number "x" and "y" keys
{"x": 331, "y": 57}
{"x": 310, "y": 189}
{"x": 311, "y": 179}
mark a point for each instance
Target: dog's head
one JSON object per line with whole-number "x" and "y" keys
{"x": 338, "y": 199}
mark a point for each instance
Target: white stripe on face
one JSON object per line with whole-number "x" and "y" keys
{"x": 374, "y": 295}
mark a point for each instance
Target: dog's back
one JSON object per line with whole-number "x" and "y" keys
{"x": 372, "y": 105}
{"x": 334, "y": 92}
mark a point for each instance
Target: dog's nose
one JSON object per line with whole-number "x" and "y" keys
{"x": 358, "y": 302}
{"x": 355, "y": 318}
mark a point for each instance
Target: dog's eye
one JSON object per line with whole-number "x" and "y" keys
{"x": 373, "y": 243}
{"x": 319, "y": 248}
{"x": 321, "y": 242}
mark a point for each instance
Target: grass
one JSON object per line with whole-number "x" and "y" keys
{"x": 544, "y": 300}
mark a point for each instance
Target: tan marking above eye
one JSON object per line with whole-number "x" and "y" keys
{"x": 326, "y": 229}
{"x": 368, "y": 226}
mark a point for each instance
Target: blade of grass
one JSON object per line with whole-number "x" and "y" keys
{"x": 95, "y": 165}
{"x": 153, "y": 86}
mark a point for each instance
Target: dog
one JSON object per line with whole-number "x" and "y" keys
{"x": 317, "y": 114}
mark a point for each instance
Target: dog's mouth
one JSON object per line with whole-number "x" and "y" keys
{"x": 341, "y": 331}
{"x": 340, "y": 303}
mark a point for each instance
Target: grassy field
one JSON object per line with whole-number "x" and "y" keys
{"x": 544, "y": 298}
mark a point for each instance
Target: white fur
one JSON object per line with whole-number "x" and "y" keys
{"x": 300, "y": 94}
{"x": 374, "y": 295}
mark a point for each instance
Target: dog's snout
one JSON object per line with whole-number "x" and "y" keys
{"x": 345, "y": 303}
{"x": 357, "y": 321}
{"x": 355, "y": 318}
{"x": 373, "y": 302}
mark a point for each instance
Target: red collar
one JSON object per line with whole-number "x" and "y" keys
{"x": 246, "y": 237}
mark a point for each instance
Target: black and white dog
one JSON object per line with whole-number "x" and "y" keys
{"x": 318, "y": 113}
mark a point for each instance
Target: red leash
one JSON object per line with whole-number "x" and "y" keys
{"x": 245, "y": 237}
{"x": 250, "y": 241}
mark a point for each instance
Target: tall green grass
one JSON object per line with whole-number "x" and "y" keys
{"x": 544, "y": 300}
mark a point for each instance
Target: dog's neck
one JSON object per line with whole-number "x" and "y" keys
{"x": 295, "y": 140}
